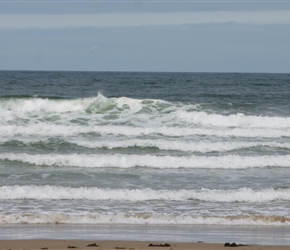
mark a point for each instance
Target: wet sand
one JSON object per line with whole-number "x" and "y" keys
{"x": 126, "y": 245}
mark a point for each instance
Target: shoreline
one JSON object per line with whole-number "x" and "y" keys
{"x": 180, "y": 234}
{"x": 126, "y": 245}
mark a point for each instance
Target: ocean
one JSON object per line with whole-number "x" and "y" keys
{"x": 144, "y": 149}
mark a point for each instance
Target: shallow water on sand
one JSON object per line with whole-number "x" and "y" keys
{"x": 174, "y": 233}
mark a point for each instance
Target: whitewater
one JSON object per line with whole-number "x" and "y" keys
{"x": 119, "y": 148}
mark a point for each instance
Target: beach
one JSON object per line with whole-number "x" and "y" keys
{"x": 79, "y": 244}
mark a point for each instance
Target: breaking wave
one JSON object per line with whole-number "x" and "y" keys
{"x": 160, "y": 144}
{"x": 92, "y": 193}
{"x": 150, "y": 161}
{"x": 124, "y": 108}
{"x": 44, "y": 129}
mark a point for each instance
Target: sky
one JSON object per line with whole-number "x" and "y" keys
{"x": 151, "y": 35}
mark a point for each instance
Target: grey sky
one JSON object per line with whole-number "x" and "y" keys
{"x": 195, "y": 36}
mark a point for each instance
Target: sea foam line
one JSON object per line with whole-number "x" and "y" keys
{"x": 161, "y": 144}
{"x": 53, "y": 130}
{"x": 142, "y": 219}
{"x": 48, "y": 192}
{"x": 150, "y": 161}
{"x": 186, "y": 146}
{"x": 235, "y": 120}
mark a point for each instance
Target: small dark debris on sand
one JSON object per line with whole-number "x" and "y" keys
{"x": 92, "y": 245}
{"x": 228, "y": 244}
{"x": 124, "y": 248}
{"x": 71, "y": 246}
{"x": 44, "y": 248}
{"x": 159, "y": 245}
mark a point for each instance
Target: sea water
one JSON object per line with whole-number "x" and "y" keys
{"x": 124, "y": 148}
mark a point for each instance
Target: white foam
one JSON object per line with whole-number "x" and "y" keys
{"x": 92, "y": 193}
{"x": 235, "y": 120}
{"x": 141, "y": 219}
{"x": 44, "y": 129}
{"x": 179, "y": 145}
{"x": 150, "y": 161}
{"x": 29, "y": 105}
{"x": 144, "y": 112}
{"x": 129, "y": 117}
{"x": 92, "y": 104}
{"x": 162, "y": 144}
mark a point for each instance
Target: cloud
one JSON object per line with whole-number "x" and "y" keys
{"x": 222, "y": 47}
{"x": 142, "y": 19}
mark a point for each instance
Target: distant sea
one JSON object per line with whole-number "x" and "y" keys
{"x": 125, "y": 148}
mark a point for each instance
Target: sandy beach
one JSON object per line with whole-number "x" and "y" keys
{"x": 45, "y": 235}
{"x": 100, "y": 245}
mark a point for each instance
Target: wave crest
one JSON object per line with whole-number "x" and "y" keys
{"x": 150, "y": 161}
{"x": 129, "y": 110}
{"x": 134, "y": 195}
